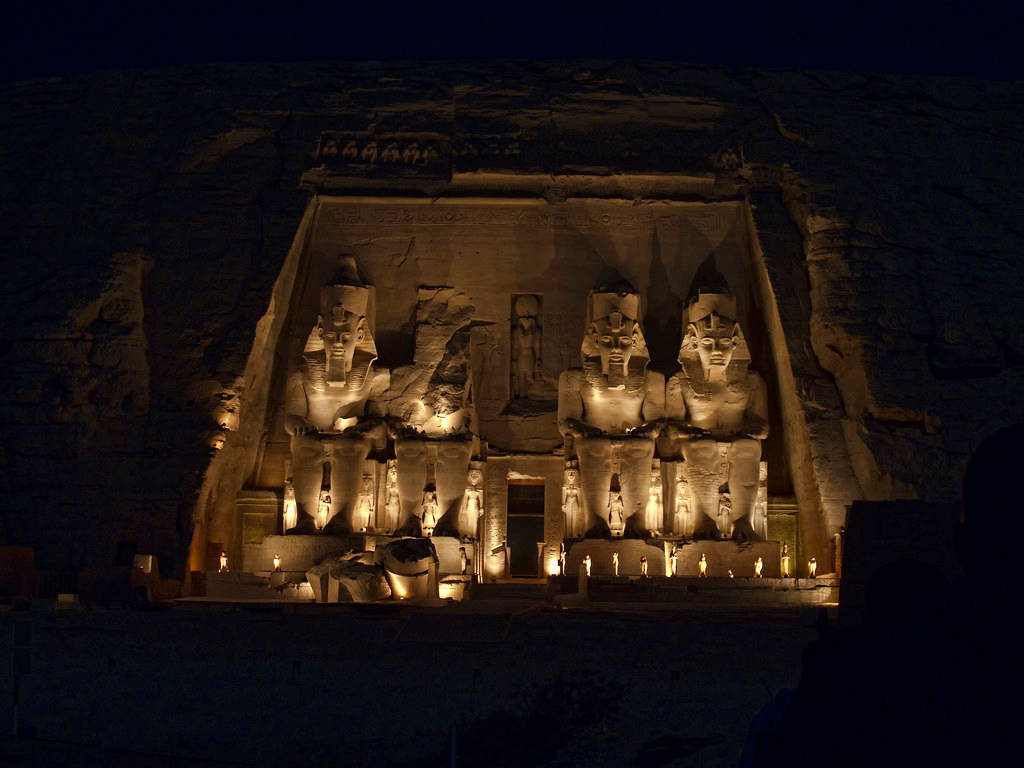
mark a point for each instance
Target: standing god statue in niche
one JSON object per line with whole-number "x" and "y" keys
{"x": 526, "y": 338}
{"x": 717, "y": 410}
{"x": 609, "y": 411}
{"x": 330, "y": 409}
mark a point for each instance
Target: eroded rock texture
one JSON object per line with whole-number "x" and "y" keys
{"x": 147, "y": 216}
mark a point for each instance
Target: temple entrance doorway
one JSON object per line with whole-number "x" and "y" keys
{"x": 525, "y": 526}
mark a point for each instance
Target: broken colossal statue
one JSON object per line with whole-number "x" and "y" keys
{"x": 609, "y": 411}
{"x": 717, "y": 416}
{"x": 433, "y": 417}
{"x": 332, "y": 409}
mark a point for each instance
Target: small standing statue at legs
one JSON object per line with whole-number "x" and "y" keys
{"x": 429, "y": 512}
{"x": 702, "y": 566}
{"x": 758, "y": 565}
{"x": 615, "y": 563}
{"x": 785, "y": 561}
{"x": 586, "y": 564}
{"x": 615, "y": 521}
{"x": 571, "y": 504}
{"x": 643, "y": 566}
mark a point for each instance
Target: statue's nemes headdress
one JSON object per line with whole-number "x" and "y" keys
{"x": 621, "y": 308}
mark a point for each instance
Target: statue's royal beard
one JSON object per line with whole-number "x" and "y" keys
{"x": 616, "y": 378}
{"x": 317, "y": 369}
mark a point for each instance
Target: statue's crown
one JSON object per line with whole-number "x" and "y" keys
{"x": 605, "y": 303}
{"x": 354, "y": 298}
{"x": 704, "y": 304}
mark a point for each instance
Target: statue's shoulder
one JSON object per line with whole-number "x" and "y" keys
{"x": 754, "y": 380}
{"x": 381, "y": 379}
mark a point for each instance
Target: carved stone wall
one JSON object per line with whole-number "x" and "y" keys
{"x": 885, "y": 210}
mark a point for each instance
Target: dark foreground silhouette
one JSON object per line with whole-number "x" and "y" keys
{"x": 930, "y": 678}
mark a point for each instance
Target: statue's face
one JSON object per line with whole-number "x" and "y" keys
{"x": 716, "y": 339}
{"x": 615, "y": 338}
{"x": 343, "y": 330}
{"x": 475, "y": 477}
{"x": 570, "y": 477}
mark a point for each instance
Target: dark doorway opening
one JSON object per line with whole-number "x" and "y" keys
{"x": 525, "y": 526}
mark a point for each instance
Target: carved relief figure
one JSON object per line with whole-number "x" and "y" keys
{"x": 609, "y": 410}
{"x": 331, "y": 410}
{"x": 586, "y": 564}
{"x": 392, "y": 504}
{"x": 674, "y": 560}
{"x": 615, "y": 563}
{"x": 785, "y": 561}
{"x": 571, "y": 508}
{"x": 526, "y": 345}
{"x": 717, "y": 411}
{"x": 654, "y": 510}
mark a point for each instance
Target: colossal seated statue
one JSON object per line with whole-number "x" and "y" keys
{"x": 331, "y": 411}
{"x": 609, "y": 411}
{"x": 717, "y": 413}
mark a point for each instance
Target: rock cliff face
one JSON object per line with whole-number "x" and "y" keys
{"x": 147, "y": 216}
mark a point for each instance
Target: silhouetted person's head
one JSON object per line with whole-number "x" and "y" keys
{"x": 993, "y": 495}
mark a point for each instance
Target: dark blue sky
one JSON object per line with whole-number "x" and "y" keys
{"x": 982, "y": 39}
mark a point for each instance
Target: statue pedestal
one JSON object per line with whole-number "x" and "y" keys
{"x": 723, "y": 556}
{"x": 298, "y": 552}
{"x": 630, "y": 551}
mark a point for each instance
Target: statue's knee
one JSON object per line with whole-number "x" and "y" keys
{"x": 745, "y": 449}
{"x": 638, "y": 449}
{"x": 410, "y": 451}
{"x": 700, "y": 451}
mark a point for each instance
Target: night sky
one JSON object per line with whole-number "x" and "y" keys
{"x": 981, "y": 39}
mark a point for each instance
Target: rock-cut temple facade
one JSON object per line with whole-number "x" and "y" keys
{"x": 639, "y": 320}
